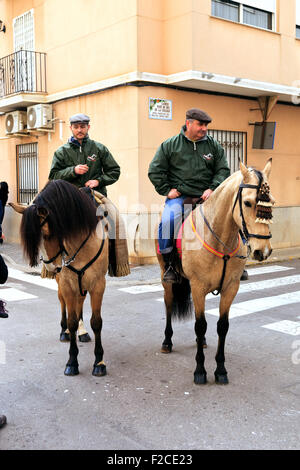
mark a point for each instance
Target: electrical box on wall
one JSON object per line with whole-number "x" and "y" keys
{"x": 264, "y": 134}
{"x": 39, "y": 116}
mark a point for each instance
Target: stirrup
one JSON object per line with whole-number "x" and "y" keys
{"x": 170, "y": 275}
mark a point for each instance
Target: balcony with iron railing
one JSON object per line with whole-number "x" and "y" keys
{"x": 22, "y": 79}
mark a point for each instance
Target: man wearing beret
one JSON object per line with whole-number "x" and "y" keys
{"x": 83, "y": 161}
{"x": 190, "y": 164}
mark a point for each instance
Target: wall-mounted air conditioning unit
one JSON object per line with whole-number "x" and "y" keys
{"x": 15, "y": 122}
{"x": 39, "y": 116}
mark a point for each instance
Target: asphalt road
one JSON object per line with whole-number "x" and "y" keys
{"x": 148, "y": 400}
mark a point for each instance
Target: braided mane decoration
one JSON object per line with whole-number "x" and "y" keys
{"x": 264, "y": 205}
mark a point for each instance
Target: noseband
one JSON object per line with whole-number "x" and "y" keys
{"x": 262, "y": 199}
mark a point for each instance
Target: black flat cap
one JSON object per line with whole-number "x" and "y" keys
{"x": 79, "y": 118}
{"x": 198, "y": 114}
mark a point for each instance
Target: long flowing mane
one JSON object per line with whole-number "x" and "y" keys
{"x": 69, "y": 211}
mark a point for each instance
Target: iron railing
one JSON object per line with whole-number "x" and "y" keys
{"x": 23, "y": 72}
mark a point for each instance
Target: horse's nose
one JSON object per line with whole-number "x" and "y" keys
{"x": 258, "y": 255}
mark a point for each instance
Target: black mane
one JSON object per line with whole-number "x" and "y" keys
{"x": 70, "y": 213}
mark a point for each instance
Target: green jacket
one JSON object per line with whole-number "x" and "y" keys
{"x": 102, "y": 165}
{"x": 190, "y": 167}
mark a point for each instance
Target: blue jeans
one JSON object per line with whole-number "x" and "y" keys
{"x": 170, "y": 222}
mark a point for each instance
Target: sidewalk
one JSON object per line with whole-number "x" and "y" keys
{"x": 146, "y": 274}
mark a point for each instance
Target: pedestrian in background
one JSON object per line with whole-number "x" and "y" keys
{"x": 3, "y": 312}
{"x": 3, "y": 201}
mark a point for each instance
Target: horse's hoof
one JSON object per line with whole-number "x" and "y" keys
{"x": 200, "y": 379}
{"x": 71, "y": 370}
{"x": 221, "y": 379}
{"x": 166, "y": 348}
{"x": 64, "y": 337}
{"x": 85, "y": 338}
{"x": 99, "y": 371}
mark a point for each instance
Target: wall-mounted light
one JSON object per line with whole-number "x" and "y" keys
{"x": 2, "y": 27}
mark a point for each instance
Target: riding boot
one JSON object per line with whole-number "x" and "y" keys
{"x": 170, "y": 274}
{"x": 3, "y": 311}
{"x": 244, "y": 276}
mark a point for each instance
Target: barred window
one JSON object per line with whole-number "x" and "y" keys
{"x": 27, "y": 172}
{"x": 235, "y": 145}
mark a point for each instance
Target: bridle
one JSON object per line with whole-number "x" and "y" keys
{"x": 245, "y": 235}
{"x": 67, "y": 263}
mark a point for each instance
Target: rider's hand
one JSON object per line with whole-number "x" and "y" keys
{"x": 92, "y": 183}
{"x": 173, "y": 194}
{"x": 206, "y": 194}
{"x": 81, "y": 169}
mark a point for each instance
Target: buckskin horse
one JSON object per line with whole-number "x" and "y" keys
{"x": 61, "y": 220}
{"x": 213, "y": 256}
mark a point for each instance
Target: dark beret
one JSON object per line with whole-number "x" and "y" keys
{"x": 79, "y": 118}
{"x": 198, "y": 114}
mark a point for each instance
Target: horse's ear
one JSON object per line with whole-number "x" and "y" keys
{"x": 267, "y": 169}
{"x": 245, "y": 172}
{"x": 17, "y": 207}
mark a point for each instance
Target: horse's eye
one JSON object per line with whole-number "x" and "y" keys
{"x": 247, "y": 204}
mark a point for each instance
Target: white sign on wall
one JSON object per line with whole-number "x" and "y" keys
{"x": 160, "y": 109}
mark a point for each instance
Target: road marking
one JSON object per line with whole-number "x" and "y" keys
{"x": 258, "y": 305}
{"x": 285, "y": 326}
{"x": 261, "y": 285}
{"x": 37, "y": 280}
{"x": 267, "y": 269}
{"x": 142, "y": 289}
{"x": 10, "y": 294}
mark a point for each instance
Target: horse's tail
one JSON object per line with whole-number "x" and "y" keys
{"x": 182, "y": 301}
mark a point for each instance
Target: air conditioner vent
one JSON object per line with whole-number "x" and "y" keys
{"x": 39, "y": 116}
{"x": 15, "y": 122}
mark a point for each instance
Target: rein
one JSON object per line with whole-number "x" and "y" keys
{"x": 243, "y": 234}
{"x": 224, "y": 256}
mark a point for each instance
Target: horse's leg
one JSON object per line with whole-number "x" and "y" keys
{"x": 64, "y": 334}
{"x": 72, "y": 364}
{"x": 83, "y": 335}
{"x": 168, "y": 298}
{"x": 99, "y": 368}
{"x": 200, "y": 330}
{"x": 222, "y": 329}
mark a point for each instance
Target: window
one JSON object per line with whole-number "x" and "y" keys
{"x": 27, "y": 172}
{"x": 255, "y": 17}
{"x": 297, "y": 32}
{"x": 225, "y": 9}
{"x": 246, "y": 14}
{"x": 235, "y": 145}
{"x": 23, "y": 35}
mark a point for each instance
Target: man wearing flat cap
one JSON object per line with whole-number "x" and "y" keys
{"x": 189, "y": 165}
{"x": 83, "y": 161}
